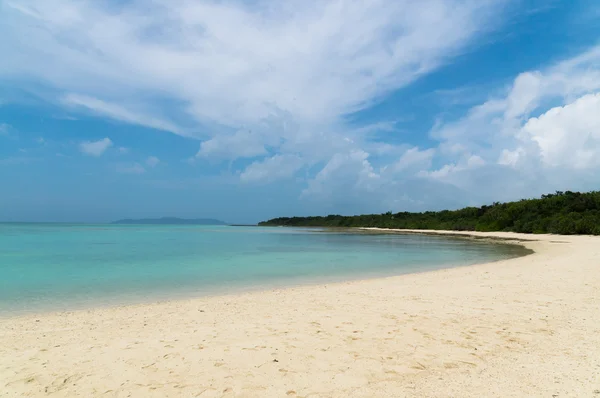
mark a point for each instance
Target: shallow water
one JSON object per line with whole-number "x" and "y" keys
{"x": 59, "y": 266}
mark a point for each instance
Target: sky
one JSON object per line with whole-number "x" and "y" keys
{"x": 245, "y": 110}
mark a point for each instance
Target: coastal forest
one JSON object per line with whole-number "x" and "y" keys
{"x": 566, "y": 213}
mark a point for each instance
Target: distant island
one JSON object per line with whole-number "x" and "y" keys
{"x": 565, "y": 213}
{"x": 171, "y": 221}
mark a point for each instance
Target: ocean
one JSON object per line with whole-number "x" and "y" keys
{"x": 55, "y": 267}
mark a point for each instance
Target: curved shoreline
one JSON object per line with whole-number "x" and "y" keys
{"x": 139, "y": 298}
{"x": 528, "y": 326}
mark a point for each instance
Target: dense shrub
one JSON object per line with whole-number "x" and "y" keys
{"x": 565, "y": 213}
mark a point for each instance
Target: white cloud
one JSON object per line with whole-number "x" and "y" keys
{"x": 134, "y": 168}
{"x": 241, "y": 144}
{"x": 510, "y": 158}
{"x": 152, "y": 161}
{"x": 344, "y": 172}
{"x": 275, "y": 82}
{"x": 568, "y": 136}
{"x": 466, "y": 163}
{"x": 546, "y": 128}
{"x": 349, "y": 184}
{"x": 500, "y": 118}
{"x": 475, "y": 161}
{"x": 414, "y": 159}
{"x": 95, "y": 148}
{"x": 540, "y": 135}
{"x": 122, "y": 150}
{"x": 203, "y": 69}
{"x": 120, "y": 113}
{"x": 524, "y": 95}
{"x": 272, "y": 169}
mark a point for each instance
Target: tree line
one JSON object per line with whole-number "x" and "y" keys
{"x": 566, "y": 213}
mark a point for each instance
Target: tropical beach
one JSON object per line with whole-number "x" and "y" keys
{"x": 321, "y": 198}
{"x": 528, "y": 326}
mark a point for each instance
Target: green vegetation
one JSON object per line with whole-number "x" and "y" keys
{"x": 567, "y": 213}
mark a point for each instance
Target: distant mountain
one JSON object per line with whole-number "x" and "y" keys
{"x": 171, "y": 221}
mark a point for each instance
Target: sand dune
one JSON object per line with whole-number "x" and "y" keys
{"x": 528, "y": 327}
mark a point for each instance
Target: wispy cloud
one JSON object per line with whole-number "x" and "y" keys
{"x": 119, "y": 112}
{"x": 224, "y": 67}
{"x": 95, "y": 148}
{"x": 277, "y": 83}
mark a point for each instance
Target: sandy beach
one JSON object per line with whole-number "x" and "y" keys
{"x": 527, "y": 327}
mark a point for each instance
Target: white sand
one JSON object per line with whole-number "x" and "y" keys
{"x": 528, "y": 327}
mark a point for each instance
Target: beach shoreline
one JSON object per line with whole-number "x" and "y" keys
{"x": 527, "y": 326}
{"x": 104, "y": 301}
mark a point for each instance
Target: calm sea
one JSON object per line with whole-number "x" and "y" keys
{"x": 60, "y": 267}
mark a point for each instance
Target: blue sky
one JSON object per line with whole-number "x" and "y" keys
{"x": 247, "y": 110}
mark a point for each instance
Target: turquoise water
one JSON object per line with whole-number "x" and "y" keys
{"x": 58, "y": 267}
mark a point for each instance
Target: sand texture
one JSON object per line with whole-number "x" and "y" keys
{"x": 527, "y": 327}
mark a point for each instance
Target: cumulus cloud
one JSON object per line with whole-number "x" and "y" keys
{"x": 272, "y": 169}
{"x": 414, "y": 159}
{"x": 467, "y": 163}
{"x": 95, "y": 148}
{"x": 528, "y": 135}
{"x": 344, "y": 172}
{"x": 568, "y": 136}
